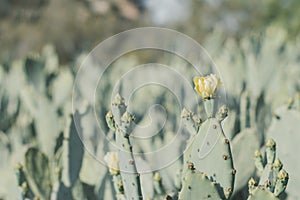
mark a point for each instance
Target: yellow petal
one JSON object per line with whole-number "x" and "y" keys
{"x": 196, "y": 83}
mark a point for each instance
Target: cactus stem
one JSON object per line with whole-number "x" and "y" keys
{"x": 209, "y": 107}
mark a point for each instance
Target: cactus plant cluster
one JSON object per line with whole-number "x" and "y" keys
{"x": 49, "y": 152}
{"x": 122, "y": 122}
{"x": 210, "y": 143}
{"x": 273, "y": 178}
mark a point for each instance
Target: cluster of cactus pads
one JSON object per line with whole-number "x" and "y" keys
{"x": 49, "y": 151}
{"x": 208, "y": 159}
{"x": 273, "y": 178}
{"x": 121, "y": 121}
{"x": 208, "y": 166}
{"x": 41, "y": 178}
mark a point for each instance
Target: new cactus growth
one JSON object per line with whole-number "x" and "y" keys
{"x": 270, "y": 151}
{"x": 258, "y": 160}
{"x": 222, "y": 113}
{"x": 251, "y": 186}
{"x": 284, "y": 129}
{"x": 123, "y": 125}
{"x": 282, "y": 178}
{"x": 191, "y": 121}
{"x": 273, "y": 179}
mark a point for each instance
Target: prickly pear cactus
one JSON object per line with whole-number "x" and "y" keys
{"x": 196, "y": 185}
{"x": 273, "y": 178}
{"x": 72, "y": 152}
{"x": 284, "y": 129}
{"x": 70, "y": 161}
{"x": 37, "y": 129}
{"x": 37, "y": 171}
{"x": 121, "y": 121}
{"x": 209, "y": 149}
{"x": 260, "y": 193}
{"x": 243, "y": 146}
{"x": 209, "y": 146}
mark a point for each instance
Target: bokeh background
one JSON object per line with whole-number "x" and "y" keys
{"x": 254, "y": 44}
{"x": 76, "y": 26}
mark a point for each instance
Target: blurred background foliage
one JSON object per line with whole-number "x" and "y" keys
{"x": 74, "y": 26}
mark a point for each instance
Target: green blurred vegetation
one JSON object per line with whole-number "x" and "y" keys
{"x": 74, "y": 26}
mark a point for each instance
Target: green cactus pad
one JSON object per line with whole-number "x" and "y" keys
{"x": 197, "y": 186}
{"x": 38, "y": 173}
{"x": 61, "y": 87}
{"x": 35, "y": 73}
{"x": 273, "y": 177}
{"x": 281, "y": 182}
{"x": 191, "y": 122}
{"x": 284, "y": 130}
{"x": 210, "y": 153}
{"x": 72, "y": 152}
{"x": 243, "y": 146}
{"x": 267, "y": 176}
{"x": 130, "y": 177}
{"x": 261, "y": 193}
{"x": 47, "y": 128}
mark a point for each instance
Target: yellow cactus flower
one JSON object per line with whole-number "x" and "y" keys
{"x": 112, "y": 161}
{"x": 207, "y": 86}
